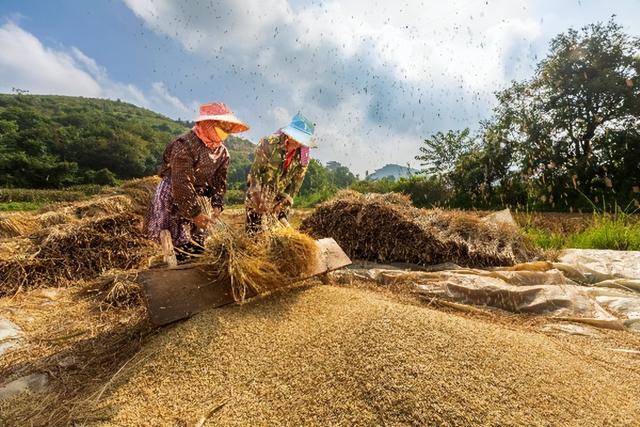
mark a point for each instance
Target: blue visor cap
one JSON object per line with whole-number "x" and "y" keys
{"x": 301, "y": 129}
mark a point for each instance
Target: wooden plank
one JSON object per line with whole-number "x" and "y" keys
{"x": 331, "y": 257}
{"x": 177, "y": 293}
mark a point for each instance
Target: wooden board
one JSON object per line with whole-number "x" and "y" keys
{"x": 331, "y": 257}
{"x": 177, "y": 293}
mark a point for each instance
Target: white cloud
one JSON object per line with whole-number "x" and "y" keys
{"x": 25, "y": 63}
{"x": 377, "y": 77}
{"x": 160, "y": 95}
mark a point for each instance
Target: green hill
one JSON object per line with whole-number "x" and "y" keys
{"x": 57, "y": 141}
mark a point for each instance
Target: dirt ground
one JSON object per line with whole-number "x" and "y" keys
{"x": 314, "y": 355}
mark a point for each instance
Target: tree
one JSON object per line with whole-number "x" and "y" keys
{"x": 562, "y": 126}
{"x": 316, "y": 179}
{"x": 342, "y": 177}
{"x": 440, "y": 151}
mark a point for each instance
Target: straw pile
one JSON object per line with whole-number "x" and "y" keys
{"x": 386, "y": 228}
{"x": 76, "y": 251}
{"x": 325, "y": 355}
{"x": 140, "y": 192}
{"x": 100, "y": 206}
{"x": 17, "y": 224}
{"x": 261, "y": 265}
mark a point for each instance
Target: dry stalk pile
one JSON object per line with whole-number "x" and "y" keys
{"x": 261, "y": 265}
{"x": 386, "y": 228}
{"x": 79, "y": 251}
{"x": 13, "y": 225}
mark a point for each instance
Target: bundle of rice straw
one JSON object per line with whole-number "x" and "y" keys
{"x": 17, "y": 224}
{"x": 295, "y": 254}
{"x": 101, "y": 205}
{"x": 386, "y": 228}
{"x": 254, "y": 266}
{"x": 140, "y": 192}
{"x": 78, "y": 251}
{"x": 118, "y": 289}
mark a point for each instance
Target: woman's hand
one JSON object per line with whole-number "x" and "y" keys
{"x": 258, "y": 202}
{"x": 201, "y": 221}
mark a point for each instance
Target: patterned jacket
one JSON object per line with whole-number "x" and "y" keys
{"x": 195, "y": 170}
{"x": 268, "y": 178}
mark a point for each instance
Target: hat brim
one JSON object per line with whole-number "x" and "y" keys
{"x": 237, "y": 126}
{"x": 303, "y": 138}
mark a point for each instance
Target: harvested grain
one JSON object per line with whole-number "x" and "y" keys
{"x": 384, "y": 228}
{"x": 352, "y": 357}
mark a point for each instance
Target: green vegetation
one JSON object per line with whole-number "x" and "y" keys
{"x": 20, "y": 206}
{"x": 58, "y": 141}
{"x": 571, "y": 130}
{"x": 40, "y": 196}
{"x": 619, "y": 231}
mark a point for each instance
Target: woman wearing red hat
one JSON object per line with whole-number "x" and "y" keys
{"x": 194, "y": 180}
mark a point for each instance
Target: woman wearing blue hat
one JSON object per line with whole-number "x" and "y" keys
{"x": 277, "y": 173}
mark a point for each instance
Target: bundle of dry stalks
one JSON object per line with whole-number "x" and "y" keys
{"x": 254, "y": 266}
{"x": 103, "y": 205}
{"x": 79, "y": 251}
{"x": 23, "y": 224}
{"x": 118, "y": 289}
{"x": 17, "y": 224}
{"x": 140, "y": 192}
{"x": 386, "y": 228}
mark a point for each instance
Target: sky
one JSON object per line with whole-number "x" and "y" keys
{"x": 377, "y": 77}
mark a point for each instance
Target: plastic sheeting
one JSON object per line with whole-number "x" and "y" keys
{"x": 601, "y": 288}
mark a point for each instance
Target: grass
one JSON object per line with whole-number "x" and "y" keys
{"x": 20, "y": 206}
{"x": 9, "y": 195}
{"x": 607, "y": 231}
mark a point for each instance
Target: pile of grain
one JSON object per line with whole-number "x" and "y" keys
{"x": 80, "y": 250}
{"x": 386, "y": 228}
{"x": 341, "y": 356}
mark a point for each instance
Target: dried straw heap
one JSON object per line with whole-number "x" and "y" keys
{"x": 261, "y": 265}
{"x": 76, "y": 251}
{"x": 386, "y": 228}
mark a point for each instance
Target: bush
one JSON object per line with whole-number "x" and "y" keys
{"x": 424, "y": 191}
{"x": 310, "y": 200}
{"x": 234, "y": 197}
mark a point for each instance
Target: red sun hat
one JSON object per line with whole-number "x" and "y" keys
{"x": 220, "y": 112}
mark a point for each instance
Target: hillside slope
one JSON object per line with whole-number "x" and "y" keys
{"x": 55, "y": 141}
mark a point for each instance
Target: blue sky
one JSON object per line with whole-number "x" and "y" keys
{"x": 376, "y": 76}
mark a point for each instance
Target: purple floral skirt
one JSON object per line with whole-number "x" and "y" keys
{"x": 162, "y": 215}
